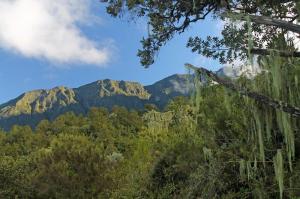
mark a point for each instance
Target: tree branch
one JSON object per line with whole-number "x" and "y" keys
{"x": 293, "y": 111}
{"x": 268, "y": 21}
{"x": 259, "y": 51}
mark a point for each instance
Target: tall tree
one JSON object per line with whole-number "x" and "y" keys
{"x": 247, "y": 29}
{"x": 266, "y": 28}
{"x": 166, "y": 18}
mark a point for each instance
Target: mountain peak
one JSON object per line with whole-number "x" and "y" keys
{"x": 107, "y": 87}
{"x": 31, "y": 107}
{"x": 38, "y": 101}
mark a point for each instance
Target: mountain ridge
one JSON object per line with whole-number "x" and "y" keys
{"x": 33, "y": 106}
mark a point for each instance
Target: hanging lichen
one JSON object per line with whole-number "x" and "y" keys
{"x": 282, "y": 78}
{"x": 284, "y": 124}
{"x": 268, "y": 125}
{"x": 249, "y": 170}
{"x": 259, "y": 136}
{"x": 279, "y": 172}
{"x": 243, "y": 169}
{"x": 207, "y": 153}
{"x": 268, "y": 128}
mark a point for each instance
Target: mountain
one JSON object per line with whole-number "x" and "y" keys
{"x": 32, "y": 107}
{"x": 168, "y": 88}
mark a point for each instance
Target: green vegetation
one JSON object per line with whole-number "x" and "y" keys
{"x": 248, "y": 138}
{"x": 215, "y": 144}
{"x": 34, "y": 106}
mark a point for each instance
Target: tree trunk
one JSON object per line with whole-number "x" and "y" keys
{"x": 293, "y": 111}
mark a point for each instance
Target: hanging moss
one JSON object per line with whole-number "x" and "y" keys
{"x": 284, "y": 124}
{"x": 290, "y": 138}
{"x": 280, "y": 85}
{"x": 207, "y": 153}
{"x": 255, "y": 164}
{"x": 259, "y": 136}
{"x": 279, "y": 172}
{"x": 243, "y": 169}
{"x": 249, "y": 170}
{"x": 277, "y": 76}
{"x": 268, "y": 125}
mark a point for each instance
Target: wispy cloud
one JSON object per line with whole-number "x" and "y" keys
{"x": 48, "y": 29}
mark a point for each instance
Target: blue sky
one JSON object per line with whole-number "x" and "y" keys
{"x": 109, "y": 48}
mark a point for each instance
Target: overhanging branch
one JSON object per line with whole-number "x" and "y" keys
{"x": 262, "y": 99}
{"x": 264, "y": 20}
{"x": 259, "y": 51}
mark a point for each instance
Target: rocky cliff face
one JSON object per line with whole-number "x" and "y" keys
{"x": 108, "y": 88}
{"x": 33, "y": 106}
{"x": 108, "y": 93}
{"x": 38, "y": 101}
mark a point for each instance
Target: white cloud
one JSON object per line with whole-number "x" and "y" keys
{"x": 48, "y": 29}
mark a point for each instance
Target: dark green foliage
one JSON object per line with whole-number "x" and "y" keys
{"x": 14, "y": 177}
{"x": 72, "y": 167}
